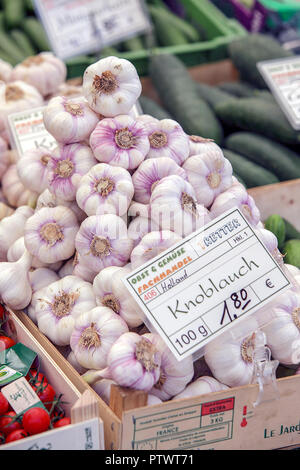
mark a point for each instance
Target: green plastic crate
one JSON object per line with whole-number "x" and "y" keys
{"x": 285, "y": 8}
{"x": 219, "y": 31}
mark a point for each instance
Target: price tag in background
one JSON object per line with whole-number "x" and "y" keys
{"x": 206, "y": 283}
{"x": 283, "y": 78}
{"x": 77, "y": 27}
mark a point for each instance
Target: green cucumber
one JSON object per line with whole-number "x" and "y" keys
{"x": 23, "y": 42}
{"x": 14, "y": 12}
{"x": 109, "y": 51}
{"x": 276, "y": 225}
{"x": 167, "y": 34}
{"x": 251, "y": 173}
{"x": 133, "y": 44}
{"x": 9, "y": 47}
{"x": 264, "y": 95}
{"x": 36, "y": 33}
{"x": 77, "y": 65}
{"x": 189, "y": 31}
{"x": 282, "y": 161}
{"x": 290, "y": 231}
{"x": 2, "y": 21}
{"x": 212, "y": 95}
{"x": 179, "y": 96}
{"x": 259, "y": 116}
{"x": 8, "y": 58}
{"x": 291, "y": 250}
{"x": 238, "y": 89}
{"x": 152, "y": 108}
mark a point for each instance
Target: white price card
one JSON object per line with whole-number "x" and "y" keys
{"x": 283, "y": 78}
{"x": 27, "y": 131}
{"x": 214, "y": 277}
{"x": 77, "y": 27}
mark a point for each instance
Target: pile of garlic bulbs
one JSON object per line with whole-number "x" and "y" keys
{"x": 117, "y": 191}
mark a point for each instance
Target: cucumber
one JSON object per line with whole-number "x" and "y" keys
{"x": 133, "y": 44}
{"x": 36, "y": 33}
{"x": 259, "y": 116}
{"x": 290, "y": 231}
{"x": 282, "y": 161}
{"x": 2, "y": 21}
{"x": 212, "y": 95}
{"x": 9, "y": 47}
{"x": 189, "y": 31}
{"x": 276, "y": 225}
{"x": 251, "y": 173}
{"x": 14, "y": 12}
{"x": 77, "y": 65}
{"x": 238, "y": 89}
{"x": 23, "y": 42}
{"x": 247, "y": 51}
{"x": 8, "y": 58}
{"x": 291, "y": 250}
{"x": 167, "y": 34}
{"x": 264, "y": 95}
{"x": 179, "y": 96}
{"x": 109, "y": 51}
{"x": 149, "y": 106}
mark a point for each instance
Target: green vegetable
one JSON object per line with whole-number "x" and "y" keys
{"x": 251, "y": 173}
{"x": 133, "y": 44}
{"x": 109, "y": 50}
{"x": 260, "y": 116}
{"x": 35, "y": 31}
{"x": 179, "y": 95}
{"x": 276, "y": 225}
{"x": 238, "y": 89}
{"x": 14, "y": 12}
{"x": 291, "y": 250}
{"x": 264, "y": 95}
{"x": 166, "y": 32}
{"x": 7, "y": 58}
{"x": 150, "y": 106}
{"x": 77, "y": 65}
{"x": 212, "y": 95}
{"x": 282, "y": 161}
{"x": 290, "y": 231}
{"x": 10, "y": 48}
{"x": 23, "y": 42}
{"x": 170, "y": 19}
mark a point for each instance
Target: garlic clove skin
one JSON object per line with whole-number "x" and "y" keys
{"x": 5, "y": 71}
{"x": 14, "y": 190}
{"x": 136, "y": 209}
{"x": 11, "y": 228}
{"x": 102, "y": 387}
{"x": 201, "y": 386}
{"x": 111, "y": 86}
{"x": 4, "y": 156}
{"x": 42, "y": 277}
{"x": 32, "y": 169}
{"x": 73, "y": 361}
{"x": 15, "y": 288}
{"x": 139, "y": 227}
{"x": 200, "y": 145}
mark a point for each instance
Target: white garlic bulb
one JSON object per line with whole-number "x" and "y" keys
{"x": 15, "y": 288}
{"x": 139, "y": 227}
{"x": 12, "y": 228}
{"x": 5, "y": 71}
{"x": 201, "y": 386}
{"x": 42, "y": 277}
{"x": 14, "y": 190}
{"x": 200, "y": 145}
{"x": 73, "y": 361}
{"x": 32, "y": 169}
{"x": 152, "y": 245}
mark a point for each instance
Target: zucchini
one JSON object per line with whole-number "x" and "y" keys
{"x": 291, "y": 250}
{"x": 150, "y": 107}
{"x": 238, "y": 89}
{"x": 23, "y": 42}
{"x": 14, "y": 12}
{"x": 212, "y": 95}
{"x": 251, "y": 173}
{"x": 179, "y": 96}
{"x": 9, "y": 47}
{"x": 290, "y": 231}
{"x": 282, "y": 161}
{"x": 166, "y": 33}
{"x": 259, "y": 116}
{"x": 189, "y": 31}
{"x": 276, "y": 225}
{"x": 36, "y": 33}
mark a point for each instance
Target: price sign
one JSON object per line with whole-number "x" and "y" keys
{"x": 27, "y": 131}
{"x": 84, "y": 26}
{"x": 214, "y": 277}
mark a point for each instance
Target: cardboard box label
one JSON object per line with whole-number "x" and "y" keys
{"x": 21, "y": 396}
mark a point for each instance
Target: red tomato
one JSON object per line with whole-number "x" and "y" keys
{"x": 6, "y": 342}
{"x": 2, "y": 312}
{"x": 8, "y": 423}
{"x": 62, "y": 422}
{"x": 16, "y": 435}
{"x": 4, "y": 405}
{"x": 35, "y": 376}
{"x": 45, "y": 392}
{"x": 36, "y": 420}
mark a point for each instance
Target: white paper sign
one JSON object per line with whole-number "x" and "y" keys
{"x": 215, "y": 276}
{"x": 283, "y": 78}
{"x": 20, "y": 395}
{"x": 27, "y": 131}
{"x": 77, "y": 27}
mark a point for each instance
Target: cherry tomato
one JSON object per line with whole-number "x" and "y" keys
{"x": 16, "y": 435}
{"x": 62, "y": 422}
{"x": 8, "y": 423}
{"x": 45, "y": 392}
{"x": 4, "y": 405}
{"x": 34, "y": 376}
{"x": 36, "y": 420}
{"x": 2, "y": 312}
{"x": 6, "y": 342}
{"x": 2, "y": 438}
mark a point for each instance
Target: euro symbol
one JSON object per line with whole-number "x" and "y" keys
{"x": 269, "y": 284}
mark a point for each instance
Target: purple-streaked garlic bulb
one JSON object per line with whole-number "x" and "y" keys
{"x": 149, "y": 173}
{"x": 200, "y": 145}
{"x": 70, "y": 120}
{"x": 5, "y": 71}
{"x": 151, "y": 245}
{"x": 14, "y": 190}
{"x": 283, "y": 331}
{"x": 66, "y": 167}
{"x": 39, "y": 278}
{"x": 139, "y": 227}
{"x": 11, "y": 228}
{"x": 167, "y": 139}
{"x": 120, "y": 141}
{"x": 133, "y": 361}
{"x": 111, "y": 86}
{"x": 73, "y": 361}
{"x": 43, "y": 71}
{"x": 50, "y": 234}
{"x": 59, "y": 304}
{"x": 67, "y": 268}
{"x": 111, "y": 292}
{"x": 32, "y": 169}
{"x": 174, "y": 207}
{"x": 201, "y": 386}
{"x": 174, "y": 375}
{"x": 83, "y": 270}
{"x": 136, "y": 209}
{"x": 210, "y": 174}
{"x": 270, "y": 241}
{"x": 48, "y": 199}
{"x": 105, "y": 189}
{"x": 102, "y": 387}
{"x": 102, "y": 241}
{"x": 146, "y": 118}
{"x": 236, "y": 196}
{"x": 15, "y": 288}
{"x": 94, "y": 333}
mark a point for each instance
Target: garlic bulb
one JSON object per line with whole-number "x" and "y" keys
{"x": 111, "y": 86}
{"x": 200, "y": 145}
{"x": 59, "y": 304}
{"x": 5, "y": 71}
{"x": 4, "y": 156}
{"x": 102, "y": 241}
{"x": 102, "y": 387}
{"x": 42, "y": 277}
{"x": 46, "y": 199}
{"x": 293, "y": 270}
{"x": 12, "y": 228}
{"x": 69, "y": 120}
{"x": 67, "y": 268}
{"x": 167, "y": 139}
{"x": 271, "y": 243}
{"x": 67, "y": 90}
{"x": 67, "y": 165}
{"x": 94, "y": 333}
{"x": 73, "y": 361}
{"x": 174, "y": 375}
{"x": 105, "y": 190}
{"x": 50, "y": 234}
{"x": 32, "y": 169}
{"x": 149, "y": 173}
{"x": 14, "y": 190}
{"x": 83, "y": 270}
{"x": 5, "y": 210}
{"x": 43, "y": 71}
{"x": 111, "y": 292}
{"x": 152, "y": 245}
{"x": 210, "y": 174}
{"x": 201, "y": 386}
{"x": 120, "y": 141}
{"x": 15, "y": 289}
{"x": 174, "y": 207}
{"x": 139, "y": 227}
{"x": 136, "y": 209}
